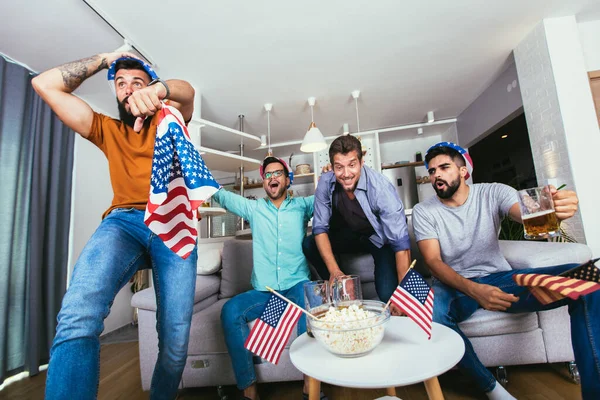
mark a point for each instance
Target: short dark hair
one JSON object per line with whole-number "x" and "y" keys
{"x": 344, "y": 145}
{"x": 446, "y": 151}
{"x": 130, "y": 63}
{"x": 271, "y": 160}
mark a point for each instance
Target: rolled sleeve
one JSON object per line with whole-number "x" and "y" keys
{"x": 393, "y": 218}
{"x": 322, "y": 205}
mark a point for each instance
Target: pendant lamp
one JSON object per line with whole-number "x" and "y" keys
{"x": 313, "y": 140}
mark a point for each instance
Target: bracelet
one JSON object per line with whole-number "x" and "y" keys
{"x": 157, "y": 80}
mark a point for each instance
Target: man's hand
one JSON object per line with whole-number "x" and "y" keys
{"x": 145, "y": 103}
{"x": 335, "y": 280}
{"x": 492, "y": 298}
{"x": 111, "y": 57}
{"x": 565, "y": 202}
{"x": 326, "y": 168}
{"x": 395, "y": 311}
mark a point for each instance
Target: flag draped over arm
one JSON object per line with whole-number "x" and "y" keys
{"x": 415, "y": 298}
{"x": 272, "y": 330}
{"x": 573, "y": 283}
{"x": 179, "y": 184}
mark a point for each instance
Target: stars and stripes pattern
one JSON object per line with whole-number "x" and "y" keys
{"x": 574, "y": 283}
{"x": 463, "y": 152}
{"x": 179, "y": 184}
{"x": 415, "y": 298}
{"x": 112, "y": 71}
{"x": 270, "y": 333}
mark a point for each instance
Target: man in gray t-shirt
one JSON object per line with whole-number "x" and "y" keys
{"x": 468, "y": 234}
{"x": 457, "y": 234}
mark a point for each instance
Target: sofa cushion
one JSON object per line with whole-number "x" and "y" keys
{"x": 209, "y": 261}
{"x": 530, "y": 254}
{"x": 236, "y": 266}
{"x": 206, "y": 286}
{"x": 492, "y": 323}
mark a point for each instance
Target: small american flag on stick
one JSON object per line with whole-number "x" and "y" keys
{"x": 272, "y": 330}
{"x": 179, "y": 184}
{"x": 415, "y": 298}
{"x": 573, "y": 283}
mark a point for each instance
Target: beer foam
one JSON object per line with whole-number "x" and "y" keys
{"x": 537, "y": 214}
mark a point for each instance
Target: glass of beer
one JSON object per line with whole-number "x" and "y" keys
{"x": 317, "y": 299}
{"x": 537, "y": 212}
{"x": 346, "y": 291}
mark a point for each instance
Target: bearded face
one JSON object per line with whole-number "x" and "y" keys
{"x": 124, "y": 114}
{"x": 444, "y": 189}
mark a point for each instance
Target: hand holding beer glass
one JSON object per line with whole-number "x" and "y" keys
{"x": 537, "y": 213}
{"x": 317, "y": 299}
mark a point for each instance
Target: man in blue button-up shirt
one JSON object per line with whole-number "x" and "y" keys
{"x": 278, "y": 227}
{"x": 358, "y": 210}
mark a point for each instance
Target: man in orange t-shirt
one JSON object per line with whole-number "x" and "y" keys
{"x": 122, "y": 244}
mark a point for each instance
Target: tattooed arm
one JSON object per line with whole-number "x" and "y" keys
{"x": 55, "y": 86}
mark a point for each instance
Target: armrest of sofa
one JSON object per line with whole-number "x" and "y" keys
{"x": 207, "y": 286}
{"x": 530, "y": 254}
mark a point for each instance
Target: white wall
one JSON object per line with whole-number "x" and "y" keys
{"x": 589, "y": 35}
{"x": 579, "y": 117}
{"x": 497, "y": 105}
{"x": 561, "y": 119}
{"x": 405, "y": 149}
{"x": 91, "y": 196}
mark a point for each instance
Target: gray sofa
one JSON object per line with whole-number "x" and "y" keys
{"x": 499, "y": 339}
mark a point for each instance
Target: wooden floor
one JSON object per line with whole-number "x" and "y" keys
{"x": 120, "y": 379}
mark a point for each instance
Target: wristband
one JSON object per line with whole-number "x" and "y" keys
{"x": 157, "y": 80}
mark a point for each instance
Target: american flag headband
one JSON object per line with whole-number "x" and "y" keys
{"x": 454, "y": 146}
{"x": 112, "y": 71}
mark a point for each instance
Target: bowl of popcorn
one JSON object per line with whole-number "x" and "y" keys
{"x": 351, "y": 330}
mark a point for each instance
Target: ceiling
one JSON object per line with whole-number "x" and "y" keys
{"x": 406, "y": 58}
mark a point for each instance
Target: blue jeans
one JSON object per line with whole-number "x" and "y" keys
{"x": 452, "y": 307}
{"x": 236, "y": 314}
{"x": 121, "y": 245}
{"x": 345, "y": 242}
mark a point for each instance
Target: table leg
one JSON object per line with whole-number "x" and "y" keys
{"x": 391, "y": 391}
{"x": 314, "y": 388}
{"x": 434, "y": 391}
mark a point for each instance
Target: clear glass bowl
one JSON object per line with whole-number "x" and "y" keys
{"x": 351, "y": 338}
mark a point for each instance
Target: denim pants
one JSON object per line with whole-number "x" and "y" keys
{"x": 236, "y": 314}
{"x": 345, "y": 242}
{"x": 121, "y": 245}
{"x": 452, "y": 307}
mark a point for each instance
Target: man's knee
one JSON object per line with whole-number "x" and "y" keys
{"x": 230, "y": 312}
{"x": 441, "y": 315}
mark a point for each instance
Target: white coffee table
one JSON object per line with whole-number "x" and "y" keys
{"x": 403, "y": 357}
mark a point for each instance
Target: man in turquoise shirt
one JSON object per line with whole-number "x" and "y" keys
{"x": 278, "y": 225}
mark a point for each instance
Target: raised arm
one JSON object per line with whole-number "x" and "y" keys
{"x": 181, "y": 97}
{"x": 239, "y": 205}
{"x": 56, "y": 85}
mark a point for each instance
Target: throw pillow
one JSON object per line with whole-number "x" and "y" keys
{"x": 209, "y": 261}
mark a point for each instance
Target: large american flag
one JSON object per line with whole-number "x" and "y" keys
{"x": 179, "y": 184}
{"x": 272, "y": 330}
{"x": 573, "y": 283}
{"x": 415, "y": 298}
